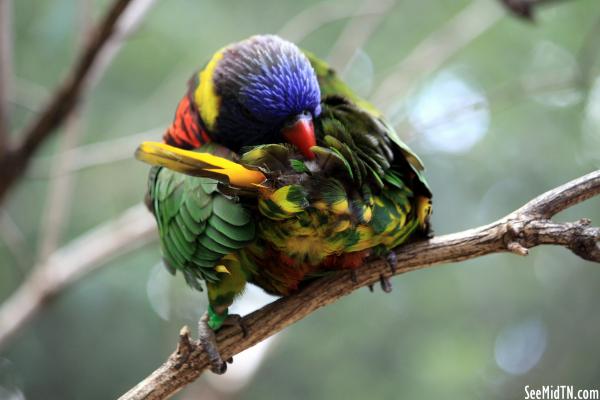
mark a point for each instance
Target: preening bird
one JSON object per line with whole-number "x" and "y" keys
{"x": 274, "y": 172}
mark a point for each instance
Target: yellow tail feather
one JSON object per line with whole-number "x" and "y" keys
{"x": 199, "y": 164}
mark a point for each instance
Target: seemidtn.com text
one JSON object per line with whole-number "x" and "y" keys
{"x": 560, "y": 392}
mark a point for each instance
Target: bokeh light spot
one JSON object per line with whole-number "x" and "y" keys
{"x": 521, "y": 346}
{"x": 449, "y": 114}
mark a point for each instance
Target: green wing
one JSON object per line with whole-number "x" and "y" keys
{"x": 331, "y": 85}
{"x": 198, "y": 225}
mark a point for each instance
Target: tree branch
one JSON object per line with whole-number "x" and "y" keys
{"x": 522, "y": 229}
{"x": 16, "y": 159}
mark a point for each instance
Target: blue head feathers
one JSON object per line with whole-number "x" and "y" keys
{"x": 264, "y": 82}
{"x": 283, "y": 83}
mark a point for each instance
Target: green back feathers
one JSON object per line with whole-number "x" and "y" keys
{"x": 332, "y": 86}
{"x": 197, "y": 224}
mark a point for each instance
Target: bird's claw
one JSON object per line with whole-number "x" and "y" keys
{"x": 236, "y": 320}
{"x": 353, "y": 277}
{"x": 386, "y": 285}
{"x": 208, "y": 342}
{"x": 391, "y": 259}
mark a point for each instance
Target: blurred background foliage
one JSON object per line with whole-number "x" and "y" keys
{"x": 512, "y": 113}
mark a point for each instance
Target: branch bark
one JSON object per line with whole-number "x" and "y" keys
{"x": 16, "y": 159}
{"x": 527, "y": 227}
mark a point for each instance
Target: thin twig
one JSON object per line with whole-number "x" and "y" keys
{"x": 59, "y": 194}
{"x": 131, "y": 230}
{"x": 357, "y": 31}
{"x": 60, "y": 188}
{"x": 527, "y": 8}
{"x": 14, "y": 241}
{"x": 95, "y": 154}
{"x": 431, "y": 53}
{"x": 522, "y": 229}
{"x": 6, "y": 60}
{"x": 57, "y": 204}
{"x": 312, "y": 18}
{"x": 16, "y": 160}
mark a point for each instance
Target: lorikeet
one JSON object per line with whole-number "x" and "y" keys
{"x": 273, "y": 172}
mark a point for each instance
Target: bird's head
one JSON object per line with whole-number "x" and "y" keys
{"x": 258, "y": 91}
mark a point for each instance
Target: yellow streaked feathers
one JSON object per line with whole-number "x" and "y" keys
{"x": 199, "y": 164}
{"x": 368, "y": 214}
{"x": 280, "y": 197}
{"x": 206, "y": 97}
{"x": 340, "y": 207}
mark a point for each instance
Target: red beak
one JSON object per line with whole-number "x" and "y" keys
{"x": 301, "y": 133}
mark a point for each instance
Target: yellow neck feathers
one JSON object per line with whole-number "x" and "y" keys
{"x": 206, "y": 97}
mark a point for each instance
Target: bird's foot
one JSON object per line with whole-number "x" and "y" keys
{"x": 391, "y": 260}
{"x": 384, "y": 282}
{"x": 236, "y": 320}
{"x": 353, "y": 277}
{"x": 208, "y": 341}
